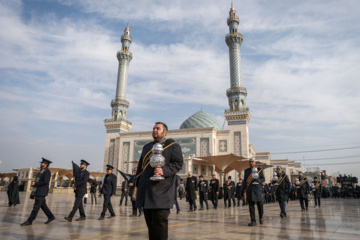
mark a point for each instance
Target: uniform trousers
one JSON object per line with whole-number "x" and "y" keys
{"x": 252, "y": 210}
{"x": 40, "y": 202}
{"x": 157, "y": 223}
{"x": 317, "y": 201}
{"x": 107, "y": 205}
{"x": 78, "y": 205}
{"x": 282, "y": 205}
{"x": 192, "y": 203}
{"x": 214, "y": 200}
{"x": 202, "y": 199}
{"x": 93, "y": 195}
{"x": 124, "y": 195}
{"x": 302, "y": 202}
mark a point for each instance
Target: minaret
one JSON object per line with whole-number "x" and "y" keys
{"x": 238, "y": 115}
{"x": 119, "y": 105}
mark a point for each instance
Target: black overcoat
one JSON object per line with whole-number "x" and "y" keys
{"x": 283, "y": 190}
{"x": 191, "y": 187}
{"x": 205, "y": 188}
{"x": 81, "y": 179}
{"x": 317, "y": 192}
{"x": 158, "y": 194}
{"x": 254, "y": 192}
{"x": 13, "y": 191}
{"x": 42, "y": 187}
{"x": 238, "y": 190}
{"x": 109, "y": 185}
{"x": 302, "y": 192}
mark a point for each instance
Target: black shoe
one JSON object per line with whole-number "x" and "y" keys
{"x": 201, "y": 209}
{"x": 101, "y": 218}
{"x": 306, "y": 209}
{"x": 261, "y": 221}
{"x": 50, "y": 220}
{"x": 27, "y": 223}
{"x": 112, "y": 216}
{"x": 252, "y": 224}
{"x": 177, "y": 212}
{"x": 140, "y": 213}
{"x": 69, "y": 219}
{"x": 190, "y": 210}
{"x": 133, "y": 215}
{"x": 195, "y": 209}
{"x": 81, "y": 219}
{"x": 282, "y": 215}
{"x": 303, "y": 210}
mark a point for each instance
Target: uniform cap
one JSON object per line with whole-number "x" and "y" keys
{"x": 84, "y": 162}
{"x": 44, "y": 160}
{"x": 109, "y": 167}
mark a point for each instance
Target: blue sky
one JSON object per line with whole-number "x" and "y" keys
{"x": 58, "y": 72}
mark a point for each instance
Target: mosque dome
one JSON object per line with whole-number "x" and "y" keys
{"x": 201, "y": 119}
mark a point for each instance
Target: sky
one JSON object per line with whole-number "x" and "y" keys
{"x": 58, "y": 71}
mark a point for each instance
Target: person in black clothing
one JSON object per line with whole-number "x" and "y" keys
{"x": 317, "y": 192}
{"x": 39, "y": 192}
{"x": 124, "y": 192}
{"x": 157, "y": 197}
{"x": 302, "y": 192}
{"x": 131, "y": 192}
{"x": 232, "y": 187}
{"x": 108, "y": 190}
{"x": 203, "y": 192}
{"x": 80, "y": 186}
{"x": 191, "y": 191}
{"x": 13, "y": 192}
{"x": 175, "y": 197}
{"x": 238, "y": 193}
{"x": 227, "y": 192}
{"x": 214, "y": 191}
{"x": 254, "y": 192}
{"x": 93, "y": 188}
{"x": 282, "y": 190}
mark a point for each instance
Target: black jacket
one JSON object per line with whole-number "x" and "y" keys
{"x": 317, "y": 192}
{"x": 214, "y": 186}
{"x": 109, "y": 185}
{"x": 205, "y": 188}
{"x": 302, "y": 192}
{"x": 81, "y": 179}
{"x": 238, "y": 190}
{"x": 124, "y": 186}
{"x": 42, "y": 187}
{"x": 254, "y": 192}
{"x": 158, "y": 194}
{"x": 283, "y": 190}
{"x": 191, "y": 187}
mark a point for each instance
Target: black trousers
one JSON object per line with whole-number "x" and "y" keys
{"x": 202, "y": 199}
{"x": 233, "y": 199}
{"x": 93, "y": 195}
{"x": 214, "y": 200}
{"x": 40, "y": 202}
{"x": 317, "y": 201}
{"x": 78, "y": 205}
{"x": 107, "y": 205}
{"x": 260, "y": 207}
{"x": 157, "y": 223}
{"x": 124, "y": 195}
{"x": 176, "y": 203}
{"x": 227, "y": 198}
{"x": 192, "y": 203}
{"x": 302, "y": 202}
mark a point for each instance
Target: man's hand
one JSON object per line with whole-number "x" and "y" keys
{"x": 217, "y": 192}
{"x": 125, "y": 190}
{"x": 112, "y": 195}
{"x": 158, "y": 171}
{"x": 195, "y": 191}
{"x": 74, "y": 186}
{"x": 130, "y": 184}
{"x": 33, "y": 184}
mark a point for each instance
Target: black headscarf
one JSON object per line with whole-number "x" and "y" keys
{"x": 13, "y": 192}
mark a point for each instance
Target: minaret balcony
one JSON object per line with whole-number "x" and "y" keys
{"x": 236, "y": 90}
{"x": 231, "y": 19}
{"x": 124, "y": 37}
{"x": 120, "y": 103}
{"x": 121, "y": 55}
{"x": 111, "y": 121}
{"x": 232, "y": 38}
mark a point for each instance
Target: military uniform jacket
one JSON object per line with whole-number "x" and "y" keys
{"x": 302, "y": 192}
{"x": 158, "y": 194}
{"x": 254, "y": 193}
{"x": 109, "y": 185}
{"x": 205, "y": 187}
{"x": 191, "y": 187}
{"x": 317, "y": 192}
{"x": 81, "y": 179}
{"x": 214, "y": 186}
{"x": 42, "y": 187}
{"x": 283, "y": 190}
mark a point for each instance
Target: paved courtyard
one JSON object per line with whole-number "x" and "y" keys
{"x": 336, "y": 219}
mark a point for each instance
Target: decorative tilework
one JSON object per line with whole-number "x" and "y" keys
{"x": 204, "y": 147}
{"x": 223, "y": 146}
{"x": 237, "y": 143}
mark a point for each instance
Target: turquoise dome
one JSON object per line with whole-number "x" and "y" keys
{"x": 201, "y": 119}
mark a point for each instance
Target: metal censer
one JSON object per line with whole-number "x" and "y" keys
{"x": 157, "y": 160}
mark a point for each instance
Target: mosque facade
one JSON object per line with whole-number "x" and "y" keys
{"x": 201, "y": 134}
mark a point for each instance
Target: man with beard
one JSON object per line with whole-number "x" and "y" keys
{"x": 108, "y": 190}
{"x": 157, "y": 197}
{"x": 253, "y": 190}
{"x": 214, "y": 190}
{"x": 191, "y": 191}
{"x": 203, "y": 192}
{"x": 80, "y": 186}
{"x": 282, "y": 190}
{"x": 302, "y": 192}
{"x": 39, "y": 192}
{"x": 13, "y": 192}
{"x": 317, "y": 192}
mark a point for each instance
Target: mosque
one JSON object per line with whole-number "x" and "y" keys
{"x": 206, "y": 146}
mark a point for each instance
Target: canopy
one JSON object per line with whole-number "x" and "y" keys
{"x": 221, "y": 162}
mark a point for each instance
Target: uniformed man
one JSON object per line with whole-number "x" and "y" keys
{"x": 80, "y": 186}
{"x": 238, "y": 193}
{"x": 317, "y": 192}
{"x": 40, "y": 189}
{"x": 302, "y": 192}
{"x": 191, "y": 188}
{"x": 157, "y": 197}
{"x": 282, "y": 190}
{"x": 203, "y": 192}
{"x": 254, "y": 192}
{"x": 214, "y": 190}
{"x": 132, "y": 182}
{"x": 227, "y": 187}
{"x": 124, "y": 192}
{"x": 108, "y": 190}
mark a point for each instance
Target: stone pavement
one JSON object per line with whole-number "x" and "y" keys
{"x": 336, "y": 219}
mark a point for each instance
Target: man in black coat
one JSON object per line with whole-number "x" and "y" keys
{"x": 238, "y": 193}
{"x": 157, "y": 197}
{"x": 80, "y": 186}
{"x": 214, "y": 190}
{"x": 227, "y": 187}
{"x": 132, "y": 182}
{"x": 302, "y": 192}
{"x": 108, "y": 190}
{"x": 254, "y": 192}
{"x": 124, "y": 192}
{"x": 39, "y": 192}
{"x": 282, "y": 190}
{"x": 191, "y": 191}
{"x": 203, "y": 192}
{"x": 317, "y": 192}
